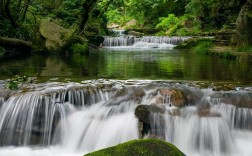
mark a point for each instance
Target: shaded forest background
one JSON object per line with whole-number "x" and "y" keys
{"x": 21, "y": 19}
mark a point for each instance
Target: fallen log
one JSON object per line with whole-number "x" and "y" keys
{"x": 15, "y": 43}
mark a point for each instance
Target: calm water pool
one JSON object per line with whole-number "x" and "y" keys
{"x": 154, "y": 64}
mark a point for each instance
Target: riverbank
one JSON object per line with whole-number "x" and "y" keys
{"x": 230, "y": 53}
{"x": 209, "y": 46}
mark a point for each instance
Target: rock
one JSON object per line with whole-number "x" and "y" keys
{"x": 5, "y": 94}
{"x": 54, "y": 35}
{"x": 150, "y": 147}
{"x": 131, "y": 23}
{"x": 243, "y": 33}
{"x": 224, "y": 87}
{"x": 135, "y": 33}
{"x": 242, "y": 99}
{"x": 143, "y": 112}
{"x": 207, "y": 113}
{"x": 113, "y": 26}
{"x": 176, "y": 96}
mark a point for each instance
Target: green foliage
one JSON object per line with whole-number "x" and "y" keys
{"x": 79, "y": 48}
{"x": 2, "y": 51}
{"x": 214, "y": 14}
{"x": 173, "y": 25}
{"x": 247, "y": 48}
{"x": 17, "y": 81}
{"x": 168, "y": 22}
{"x": 68, "y": 11}
{"x": 150, "y": 147}
{"x": 203, "y": 47}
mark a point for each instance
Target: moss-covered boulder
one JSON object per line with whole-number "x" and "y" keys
{"x": 143, "y": 147}
{"x": 243, "y": 34}
{"x": 55, "y": 35}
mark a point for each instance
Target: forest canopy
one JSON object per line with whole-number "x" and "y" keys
{"x": 21, "y": 18}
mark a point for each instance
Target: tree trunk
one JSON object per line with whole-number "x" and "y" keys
{"x": 8, "y": 14}
{"x": 24, "y": 11}
{"x": 15, "y": 43}
{"x": 87, "y": 7}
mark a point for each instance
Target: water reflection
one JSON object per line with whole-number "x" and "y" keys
{"x": 123, "y": 64}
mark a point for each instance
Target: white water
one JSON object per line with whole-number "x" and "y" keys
{"x": 110, "y": 120}
{"x": 142, "y": 42}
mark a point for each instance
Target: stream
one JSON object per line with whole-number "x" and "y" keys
{"x": 80, "y": 104}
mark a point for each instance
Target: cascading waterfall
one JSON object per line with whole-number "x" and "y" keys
{"x": 146, "y": 41}
{"x": 73, "y": 119}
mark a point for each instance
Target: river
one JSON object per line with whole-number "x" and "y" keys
{"x": 83, "y": 103}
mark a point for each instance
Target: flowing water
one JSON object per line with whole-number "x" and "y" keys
{"x": 73, "y": 118}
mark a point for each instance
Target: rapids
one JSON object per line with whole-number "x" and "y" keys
{"x": 70, "y": 119}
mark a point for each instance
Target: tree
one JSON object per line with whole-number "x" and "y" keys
{"x": 87, "y": 7}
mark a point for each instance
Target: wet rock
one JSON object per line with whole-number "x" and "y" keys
{"x": 5, "y": 93}
{"x": 192, "y": 96}
{"x": 176, "y": 96}
{"x": 239, "y": 99}
{"x": 224, "y": 87}
{"x": 144, "y": 112}
{"x": 207, "y": 113}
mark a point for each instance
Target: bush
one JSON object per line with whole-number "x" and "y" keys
{"x": 17, "y": 81}
{"x": 179, "y": 26}
{"x": 203, "y": 47}
{"x": 79, "y": 48}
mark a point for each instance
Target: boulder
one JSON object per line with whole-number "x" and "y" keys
{"x": 150, "y": 147}
{"x": 241, "y": 99}
{"x": 243, "y": 33}
{"x": 55, "y": 35}
{"x": 6, "y": 93}
{"x": 207, "y": 113}
{"x": 131, "y": 23}
{"x": 143, "y": 112}
{"x": 176, "y": 96}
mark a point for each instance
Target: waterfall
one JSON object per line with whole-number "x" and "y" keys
{"x": 73, "y": 119}
{"x": 119, "y": 32}
{"x": 31, "y": 118}
{"x": 131, "y": 41}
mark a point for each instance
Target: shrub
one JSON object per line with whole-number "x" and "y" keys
{"x": 17, "y": 81}
{"x": 202, "y": 47}
{"x": 79, "y": 48}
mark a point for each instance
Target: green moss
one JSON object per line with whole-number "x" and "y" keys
{"x": 150, "y": 147}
